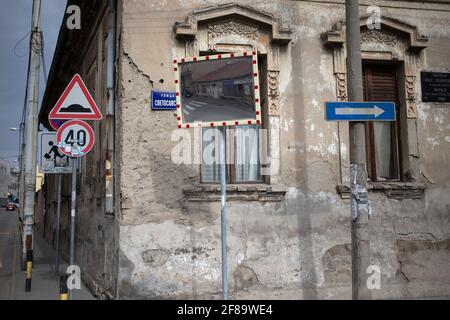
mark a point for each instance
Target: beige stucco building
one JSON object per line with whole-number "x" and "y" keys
{"x": 150, "y": 228}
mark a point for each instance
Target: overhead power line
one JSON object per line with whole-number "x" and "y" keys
{"x": 44, "y": 68}
{"x": 18, "y": 42}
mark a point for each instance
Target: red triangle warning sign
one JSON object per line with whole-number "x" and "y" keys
{"x": 75, "y": 103}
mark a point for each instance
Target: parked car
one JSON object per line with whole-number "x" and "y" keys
{"x": 11, "y": 206}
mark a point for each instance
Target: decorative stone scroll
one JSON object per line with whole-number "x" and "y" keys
{"x": 410, "y": 96}
{"x": 341, "y": 86}
{"x": 273, "y": 92}
{"x": 410, "y": 85}
{"x": 340, "y": 73}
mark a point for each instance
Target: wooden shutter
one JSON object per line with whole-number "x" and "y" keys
{"x": 379, "y": 83}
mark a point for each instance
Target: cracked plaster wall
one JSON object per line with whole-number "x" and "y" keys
{"x": 297, "y": 248}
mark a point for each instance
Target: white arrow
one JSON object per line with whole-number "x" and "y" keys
{"x": 376, "y": 111}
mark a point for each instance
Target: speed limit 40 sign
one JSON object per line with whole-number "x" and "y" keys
{"x": 75, "y": 138}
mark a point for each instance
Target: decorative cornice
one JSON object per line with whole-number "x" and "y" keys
{"x": 416, "y": 41}
{"x": 188, "y": 29}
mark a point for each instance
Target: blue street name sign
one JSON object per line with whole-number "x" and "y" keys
{"x": 359, "y": 111}
{"x": 163, "y": 100}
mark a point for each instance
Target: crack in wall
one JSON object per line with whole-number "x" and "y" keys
{"x": 414, "y": 235}
{"x": 428, "y": 179}
{"x": 420, "y": 233}
{"x": 400, "y": 270}
{"x": 136, "y": 67}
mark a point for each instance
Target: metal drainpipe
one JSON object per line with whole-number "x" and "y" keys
{"x": 110, "y": 109}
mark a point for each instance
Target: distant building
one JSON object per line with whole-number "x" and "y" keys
{"x": 5, "y": 179}
{"x": 14, "y": 182}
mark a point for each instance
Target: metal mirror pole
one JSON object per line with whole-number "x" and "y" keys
{"x": 58, "y": 214}
{"x": 223, "y": 211}
{"x": 73, "y": 217}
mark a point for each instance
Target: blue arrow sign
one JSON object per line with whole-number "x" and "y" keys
{"x": 359, "y": 111}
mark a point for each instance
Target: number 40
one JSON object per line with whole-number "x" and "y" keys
{"x": 80, "y": 140}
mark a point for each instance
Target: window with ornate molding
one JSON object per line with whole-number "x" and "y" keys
{"x": 233, "y": 27}
{"x": 396, "y": 45}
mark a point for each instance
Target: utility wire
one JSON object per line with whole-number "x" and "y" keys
{"x": 18, "y": 42}
{"x": 24, "y": 109}
{"x": 44, "y": 68}
{"x": 26, "y": 94}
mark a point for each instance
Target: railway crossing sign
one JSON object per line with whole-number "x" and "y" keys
{"x": 75, "y": 138}
{"x": 359, "y": 111}
{"x": 75, "y": 103}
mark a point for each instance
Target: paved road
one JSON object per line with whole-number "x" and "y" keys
{"x": 45, "y": 284}
{"x": 8, "y": 255}
{"x": 209, "y": 110}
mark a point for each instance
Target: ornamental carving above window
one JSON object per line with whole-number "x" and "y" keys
{"x": 378, "y": 37}
{"x": 232, "y": 28}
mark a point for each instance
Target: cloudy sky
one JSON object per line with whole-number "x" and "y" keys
{"x": 15, "y": 24}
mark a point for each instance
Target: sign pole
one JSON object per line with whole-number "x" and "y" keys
{"x": 360, "y": 232}
{"x": 197, "y": 111}
{"x": 58, "y": 214}
{"x": 74, "y": 138}
{"x": 73, "y": 217}
{"x": 223, "y": 211}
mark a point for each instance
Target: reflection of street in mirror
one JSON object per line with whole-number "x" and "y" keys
{"x": 217, "y": 90}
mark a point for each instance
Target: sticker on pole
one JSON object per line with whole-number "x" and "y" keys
{"x": 75, "y": 138}
{"x": 75, "y": 103}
